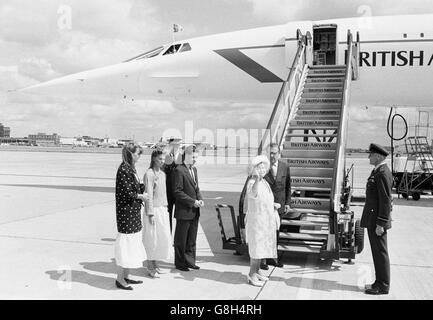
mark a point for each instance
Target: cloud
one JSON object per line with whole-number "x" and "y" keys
{"x": 281, "y": 11}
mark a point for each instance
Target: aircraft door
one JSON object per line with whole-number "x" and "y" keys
{"x": 325, "y": 44}
{"x": 291, "y": 42}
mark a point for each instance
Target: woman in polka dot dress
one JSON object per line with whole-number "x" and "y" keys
{"x": 129, "y": 249}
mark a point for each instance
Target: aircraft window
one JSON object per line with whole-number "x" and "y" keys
{"x": 185, "y": 47}
{"x": 172, "y": 49}
{"x": 148, "y": 54}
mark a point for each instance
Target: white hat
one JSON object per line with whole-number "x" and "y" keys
{"x": 256, "y": 161}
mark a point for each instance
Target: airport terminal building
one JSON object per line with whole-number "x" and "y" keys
{"x": 5, "y": 132}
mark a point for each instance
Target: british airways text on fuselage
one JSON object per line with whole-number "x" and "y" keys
{"x": 401, "y": 58}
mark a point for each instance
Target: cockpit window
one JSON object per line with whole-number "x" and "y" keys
{"x": 148, "y": 54}
{"x": 185, "y": 47}
{"x": 174, "y": 48}
{"x": 179, "y": 47}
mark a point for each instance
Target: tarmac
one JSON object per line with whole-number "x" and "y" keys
{"x": 57, "y": 233}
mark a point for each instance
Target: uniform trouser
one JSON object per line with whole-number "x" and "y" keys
{"x": 379, "y": 250}
{"x": 185, "y": 238}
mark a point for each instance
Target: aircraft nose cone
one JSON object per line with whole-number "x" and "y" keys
{"x": 120, "y": 79}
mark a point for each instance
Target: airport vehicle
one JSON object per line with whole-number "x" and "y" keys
{"x": 417, "y": 176}
{"x": 317, "y": 70}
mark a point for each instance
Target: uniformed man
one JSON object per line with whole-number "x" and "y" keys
{"x": 376, "y": 217}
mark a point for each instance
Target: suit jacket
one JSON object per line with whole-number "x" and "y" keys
{"x": 378, "y": 202}
{"x": 128, "y": 207}
{"x": 169, "y": 174}
{"x": 186, "y": 191}
{"x": 280, "y": 186}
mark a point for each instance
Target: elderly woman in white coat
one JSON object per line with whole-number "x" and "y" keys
{"x": 262, "y": 219}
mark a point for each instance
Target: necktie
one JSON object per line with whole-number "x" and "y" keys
{"x": 191, "y": 170}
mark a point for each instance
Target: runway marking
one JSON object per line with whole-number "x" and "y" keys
{"x": 45, "y": 176}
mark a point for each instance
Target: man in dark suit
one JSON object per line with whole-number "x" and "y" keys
{"x": 278, "y": 179}
{"x": 172, "y": 159}
{"x": 187, "y": 211}
{"x": 376, "y": 217}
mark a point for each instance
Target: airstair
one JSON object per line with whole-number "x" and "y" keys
{"x": 309, "y": 122}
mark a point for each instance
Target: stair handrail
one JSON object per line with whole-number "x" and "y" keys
{"x": 352, "y": 63}
{"x": 298, "y": 62}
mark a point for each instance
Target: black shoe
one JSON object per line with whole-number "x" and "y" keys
{"x": 264, "y": 266}
{"x": 275, "y": 263}
{"x": 376, "y": 291}
{"x": 129, "y": 281}
{"x": 120, "y": 286}
{"x": 182, "y": 268}
{"x": 369, "y": 286}
{"x": 195, "y": 267}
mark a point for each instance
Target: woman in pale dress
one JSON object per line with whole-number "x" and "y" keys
{"x": 261, "y": 220}
{"x": 156, "y": 223}
{"x": 128, "y": 250}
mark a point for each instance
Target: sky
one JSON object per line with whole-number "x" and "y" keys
{"x": 34, "y": 48}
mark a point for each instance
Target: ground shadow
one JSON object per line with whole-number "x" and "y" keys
{"x": 111, "y": 268}
{"x": 213, "y": 275}
{"x": 75, "y": 276}
{"x": 316, "y": 284}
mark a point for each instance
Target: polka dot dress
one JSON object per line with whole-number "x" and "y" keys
{"x": 128, "y": 207}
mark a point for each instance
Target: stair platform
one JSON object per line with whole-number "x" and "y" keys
{"x": 300, "y": 248}
{"x": 303, "y": 236}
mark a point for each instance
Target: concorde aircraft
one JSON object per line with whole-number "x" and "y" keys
{"x": 396, "y": 64}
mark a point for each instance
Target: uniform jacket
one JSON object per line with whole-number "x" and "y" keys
{"x": 280, "y": 185}
{"x": 128, "y": 207}
{"x": 186, "y": 191}
{"x": 378, "y": 202}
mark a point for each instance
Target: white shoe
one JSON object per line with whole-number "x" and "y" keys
{"x": 253, "y": 282}
{"x": 261, "y": 278}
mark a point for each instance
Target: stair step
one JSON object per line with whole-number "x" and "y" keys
{"x": 310, "y": 213}
{"x": 339, "y": 80}
{"x": 311, "y": 172}
{"x": 321, "y": 100}
{"x": 313, "y": 189}
{"x": 309, "y": 146}
{"x": 314, "y": 123}
{"x": 308, "y": 154}
{"x": 324, "y": 85}
{"x": 320, "y": 95}
{"x": 319, "y": 106}
{"x": 328, "y": 66}
{"x": 302, "y": 117}
{"x": 339, "y": 75}
{"x": 314, "y": 112}
{"x": 302, "y": 236}
{"x": 303, "y": 135}
{"x": 327, "y": 72}
{"x": 316, "y": 128}
{"x": 309, "y": 163}
{"x": 302, "y": 181}
{"x": 302, "y": 223}
{"x": 310, "y": 203}
{"x": 299, "y": 248}
{"x": 310, "y": 90}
